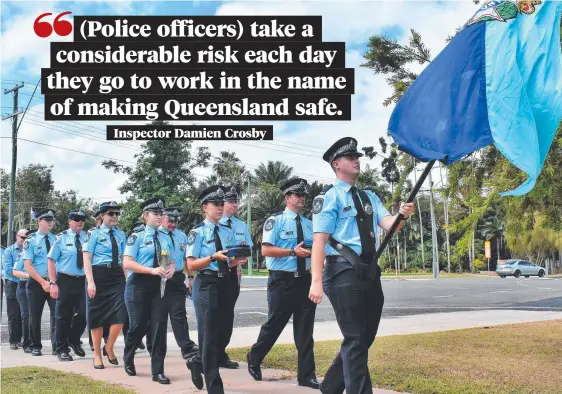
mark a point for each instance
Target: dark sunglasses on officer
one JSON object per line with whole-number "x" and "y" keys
{"x": 113, "y": 213}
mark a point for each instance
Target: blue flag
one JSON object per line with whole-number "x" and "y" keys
{"x": 498, "y": 81}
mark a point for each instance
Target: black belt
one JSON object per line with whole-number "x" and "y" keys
{"x": 72, "y": 276}
{"x": 108, "y": 265}
{"x": 211, "y": 273}
{"x": 289, "y": 273}
{"x": 22, "y": 283}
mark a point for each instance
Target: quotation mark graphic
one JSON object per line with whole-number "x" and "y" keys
{"x": 45, "y": 29}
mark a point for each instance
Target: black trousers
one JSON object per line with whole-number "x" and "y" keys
{"x": 234, "y": 293}
{"x": 21, "y": 294}
{"x": 174, "y": 299}
{"x": 357, "y": 301}
{"x": 36, "y": 298}
{"x": 212, "y": 302}
{"x": 144, "y": 304}
{"x": 14, "y": 314}
{"x": 288, "y": 296}
{"x": 70, "y": 311}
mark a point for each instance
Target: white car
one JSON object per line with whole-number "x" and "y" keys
{"x": 519, "y": 268}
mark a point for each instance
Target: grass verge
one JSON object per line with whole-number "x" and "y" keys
{"x": 262, "y": 272}
{"x": 39, "y": 380}
{"x": 424, "y": 275}
{"x": 521, "y": 358}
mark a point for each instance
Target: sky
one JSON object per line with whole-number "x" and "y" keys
{"x": 299, "y": 144}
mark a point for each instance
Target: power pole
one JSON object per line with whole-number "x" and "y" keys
{"x": 249, "y": 220}
{"x": 433, "y": 230}
{"x": 14, "y": 117}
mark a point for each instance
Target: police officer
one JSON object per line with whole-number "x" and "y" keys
{"x": 176, "y": 290}
{"x": 206, "y": 253}
{"x": 103, "y": 250}
{"x": 98, "y": 221}
{"x": 241, "y": 237}
{"x": 285, "y": 235}
{"x": 21, "y": 294}
{"x": 66, "y": 272}
{"x": 145, "y": 259}
{"x": 346, "y": 218}
{"x": 10, "y": 257}
{"x": 35, "y": 250}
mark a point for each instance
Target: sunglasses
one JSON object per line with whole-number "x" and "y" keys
{"x": 113, "y": 214}
{"x": 79, "y": 220}
{"x": 22, "y": 236}
{"x": 299, "y": 194}
{"x": 48, "y": 220}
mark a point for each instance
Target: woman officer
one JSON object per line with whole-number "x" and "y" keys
{"x": 143, "y": 258}
{"x": 103, "y": 251}
{"x": 211, "y": 288}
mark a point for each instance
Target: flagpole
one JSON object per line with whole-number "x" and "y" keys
{"x": 399, "y": 218}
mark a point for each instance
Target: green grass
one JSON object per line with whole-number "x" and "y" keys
{"x": 511, "y": 359}
{"x": 38, "y": 380}
{"x": 389, "y": 275}
{"x": 262, "y": 272}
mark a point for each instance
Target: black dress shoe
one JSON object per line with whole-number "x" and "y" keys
{"x": 192, "y": 352}
{"x": 64, "y": 356}
{"x": 78, "y": 350}
{"x": 20, "y": 345}
{"x": 253, "y": 369}
{"x": 141, "y": 346}
{"x": 130, "y": 370}
{"x": 312, "y": 383}
{"x": 112, "y": 361}
{"x": 160, "y": 378}
{"x": 229, "y": 364}
{"x": 36, "y": 352}
{"x": 103, "y": 350}
{"x": 101, "y": 366}
{"x": 196, "y": 370}
{"x": 27, "y": 350}
{"x": 13, "y": 346}
{"x": 55, "y": 353}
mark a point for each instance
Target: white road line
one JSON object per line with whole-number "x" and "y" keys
{"x": 255, "y": 313}
{"x": 445, "y": 296}
{"x": 253, "y": 288}
{"x": 500, "y": 291}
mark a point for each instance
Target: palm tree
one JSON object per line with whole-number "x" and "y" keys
{"x": 493, "y": 228}
{"x": 227, "y": 167}
{"x": 267, "y": 201}
{"x": 273, "y": 173}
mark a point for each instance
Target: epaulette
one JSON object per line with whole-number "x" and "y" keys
{"x": 199, "y": 225}
{"x": 326, "y": 188}
{"x": 277, "y": 213}
{"x": 61, "y": 233}
{"x": 224, "y": 225}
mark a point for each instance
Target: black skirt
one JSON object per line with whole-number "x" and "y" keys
{"x": 108, "y": 305}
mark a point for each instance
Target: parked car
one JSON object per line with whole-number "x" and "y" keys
{"x": 517, "y": 268}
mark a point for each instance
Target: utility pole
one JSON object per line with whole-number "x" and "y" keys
{"x": 249, "y": 220}
{"x": 14, "y": 117}
{"x": 433, "y": 230}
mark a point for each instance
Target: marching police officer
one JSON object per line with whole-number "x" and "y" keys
{"x": 285, "y": 235}
{"x": 176, "y": 290}
{"x": 10, "y": 257}
{"x": 66, "y": 273}
{"x": 21, "y": 294}
{"x": 35, "y": 250}
{"x": 206, "y": 253}
{"x": 103, "y": 250}
{"x": 145, "y": 259}
{"x": 346, "y": 218}
{"x": 241, "y": 237}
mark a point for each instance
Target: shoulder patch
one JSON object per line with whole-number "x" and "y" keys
{"x": 268, "y": 226}
{"x": 88, "y": 236}
{"x": 191, "y": 237}
{"x": 317, "y": 205}
{"x": 131, "y": 240}
{"x": 26, "y": 244}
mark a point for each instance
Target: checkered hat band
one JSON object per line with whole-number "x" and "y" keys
{"x": 299, "y": 186}
{"x": 213, "y": 195}
{"x": 342, "y": 149}
{"x": 155, "y": 205}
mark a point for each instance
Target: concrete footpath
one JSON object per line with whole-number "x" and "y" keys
{"x": 238, "y": 381}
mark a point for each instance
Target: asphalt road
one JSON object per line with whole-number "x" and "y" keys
{"x": 402, "y": 297}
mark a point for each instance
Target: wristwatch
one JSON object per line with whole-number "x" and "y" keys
{"x": 190, "y": 277}
{"x": 292, "y": 253}
{"x": 52, "y": 282}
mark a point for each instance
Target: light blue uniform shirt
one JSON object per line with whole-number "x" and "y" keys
{"x": 9, "y": 258}
{"x": 280, "y": 230}
{"x": 201, "y": 241}
{"x": 334, "y": 213}
{"x": 35, "y": 249}
{"x": 65, "y": 254}
{"x": 178, "y": 241}
{"x": 241, "y": 232}
{"x": 140, "y": 246}
{"x": 20, "y": 266}
{"x": 98, "y": 243}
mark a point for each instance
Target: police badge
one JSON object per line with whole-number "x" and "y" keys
{"x": 269, "y": 224}
{"x": 131, "y": 240}
{"x": 88, "y": 236}
{"x": 368, "y": 209}
{"x": 191, "y": 237}
{"x": 182, "y": 246}
{"x": 26, "y": 244}
{"x": 317, "y": 205}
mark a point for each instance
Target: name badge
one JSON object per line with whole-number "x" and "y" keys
{"x": 288, "y": 232}
{"x": 69, "y": 245}
{"x": 148, "y": 243}
{"x": 103, "y": 240}
{"x": 212, "y": 241}
{"x": 347, "y": 208}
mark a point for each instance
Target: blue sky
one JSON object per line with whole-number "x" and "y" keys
{"x": 299, "y": 144}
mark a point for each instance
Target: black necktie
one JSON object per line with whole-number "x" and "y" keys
{"x": 157, "y": 250}
{"x": 47, "y": 243}
{"x": 367, "y": 243}
{"x": 223, "y": 266}
{"x": 301, "y": 262}
{"x": 114, "y": 250}
{"x": 79, "y": 255}
{"x": 229, "y": 223}
{"x": 172, "y": 237}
